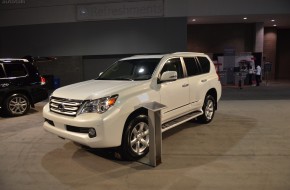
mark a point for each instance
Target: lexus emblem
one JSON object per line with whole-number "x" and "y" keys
{"x": 60, "y": 107}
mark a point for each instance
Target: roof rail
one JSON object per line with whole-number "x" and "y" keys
{"x": 187, "y": 52}
{"x": 13, "y": 59}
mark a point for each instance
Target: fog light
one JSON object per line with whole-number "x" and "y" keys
{"x": 92, "y": 133}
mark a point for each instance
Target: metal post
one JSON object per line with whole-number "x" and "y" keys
{"x": 155, "y": 134}
{"x": 155, "y": 137}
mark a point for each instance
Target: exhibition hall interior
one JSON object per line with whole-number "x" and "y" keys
{"x": 145, "y": 94}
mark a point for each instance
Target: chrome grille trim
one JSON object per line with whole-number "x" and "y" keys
{"x": 64, "y": 106}
{"x": 66, "y": 102}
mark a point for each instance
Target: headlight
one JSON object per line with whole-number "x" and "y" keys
{"x": 99, "y": 105}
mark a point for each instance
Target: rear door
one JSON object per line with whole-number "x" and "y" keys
{"x": 175, "y": 94}
{"x": 16, "y": 73}
{"x": 15, "y": 76}
{"x": 4, "y": 83}
{"x": 195, "y": 77}
{"x": 3, "y": 78}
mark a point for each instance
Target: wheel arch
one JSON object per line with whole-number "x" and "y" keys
{"x": 123, "y": 152}
{"x": 135, "y": 113}
{"x": 24, "y": 92}
{"x": 213, "y": 93}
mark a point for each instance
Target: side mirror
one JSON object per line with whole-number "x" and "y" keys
{"x": 168, "y": 76}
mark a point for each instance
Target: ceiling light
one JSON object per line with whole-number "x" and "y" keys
{"x": 245, "y": 18}
{"x": 193, "y": 20}
{"x": 272, "y": 20}
{"x": 274, "y": 25}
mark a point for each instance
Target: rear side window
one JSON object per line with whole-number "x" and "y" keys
{"x": 173, "y": 65}
{"x": 191, "y": 66}
{"x": 2, "y": 74}
{"x": 15, "y": 70}
{"x": 204, "y": 63}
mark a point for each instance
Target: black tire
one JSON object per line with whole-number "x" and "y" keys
{"x": 135, "y": 142}
{"x": 208, "y": 109}
{"x": 16, "y": 105}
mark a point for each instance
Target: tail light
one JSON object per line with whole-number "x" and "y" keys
{"x": 42, "y": 81}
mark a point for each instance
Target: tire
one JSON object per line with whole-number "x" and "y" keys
{"x": 16, "y": 105}
{"x": 135, "y": 142}
{"x": 208, "y": 109}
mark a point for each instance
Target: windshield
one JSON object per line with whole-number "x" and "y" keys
{"x": 133, "y": 69}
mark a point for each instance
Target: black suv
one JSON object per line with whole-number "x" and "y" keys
{"x": 21, "y": 86}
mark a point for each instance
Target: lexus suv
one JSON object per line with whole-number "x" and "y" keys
{"x": 106, "y": 111}
{"x": 21, "y": 86}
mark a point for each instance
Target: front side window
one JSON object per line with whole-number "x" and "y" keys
{"x": 132, "y": 69}
{"x": 204, "y": 63}
{"x": 15, "y": 70}
{"x": 173, "y": 65}
{"x": 2, "y": 74}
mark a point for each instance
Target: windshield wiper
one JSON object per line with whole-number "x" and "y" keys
{"x": 123, "y": 79}
{"x": 129, "y": 79}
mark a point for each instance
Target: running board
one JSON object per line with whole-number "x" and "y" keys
{"x": 180, "y": 120}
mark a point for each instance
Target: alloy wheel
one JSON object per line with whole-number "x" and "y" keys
{"x": 209, "y": 109}
{"x": 18, "y": 105}
{"x": 139, "y": 138}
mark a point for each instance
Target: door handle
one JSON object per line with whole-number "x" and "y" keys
{"x": 204, "y": 80}
{"x": 185, "y": 85}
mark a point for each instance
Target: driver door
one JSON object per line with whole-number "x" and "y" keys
{"x": 174, "y": 94}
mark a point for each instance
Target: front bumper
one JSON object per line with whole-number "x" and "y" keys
{"x": 108, "y": 126}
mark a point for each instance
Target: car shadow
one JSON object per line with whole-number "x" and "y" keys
{"x": 36, "y": 109}
{"x": 188, "y": 146}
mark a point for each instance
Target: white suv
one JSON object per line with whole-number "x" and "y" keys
{"x": 105, "y": 112}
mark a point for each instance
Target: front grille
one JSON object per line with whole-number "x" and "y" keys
{"x": 64, "y": 106}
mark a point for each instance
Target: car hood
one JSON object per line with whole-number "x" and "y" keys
{"x": 94, "y": 89}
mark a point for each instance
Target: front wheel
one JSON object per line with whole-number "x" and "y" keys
{"x": 17, "y": 105}
{"x": 208, "y": 109}
{"x": 135, "y": 144}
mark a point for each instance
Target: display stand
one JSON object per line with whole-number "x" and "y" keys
{"x": 155, "y": 134}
